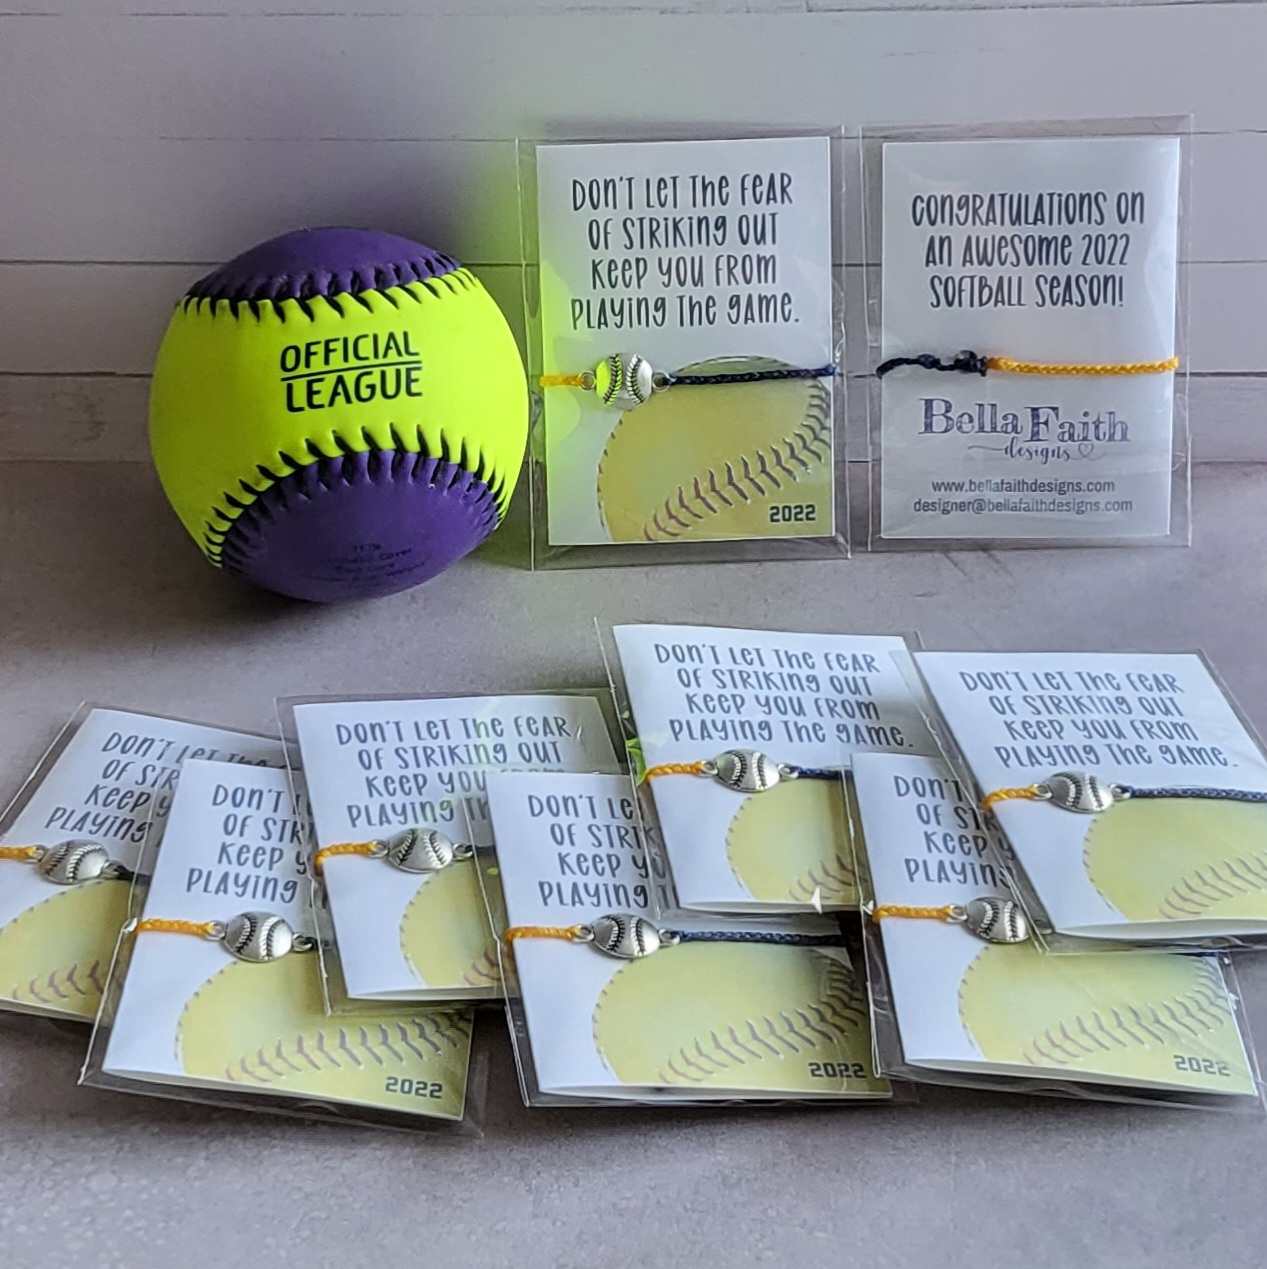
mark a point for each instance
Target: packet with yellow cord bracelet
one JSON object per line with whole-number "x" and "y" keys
{"x": 742, "y": 736}
{"x": 1131, "y": 790}
{"x": 1027, "y": 309}
{"x": 215, "y": 994}
{"x": 963, "y": 994}
{"x": 393, "y": 880}
{"x": 686, "y": 348}
{"x": 72, "y": 839}
{"x": 609, "y": 1004}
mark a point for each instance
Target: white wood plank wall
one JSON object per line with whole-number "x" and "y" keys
{"x": 143, "y": 141}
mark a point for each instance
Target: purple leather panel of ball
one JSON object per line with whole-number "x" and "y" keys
{"x": 311, "y": 262}
{"x": 361, "y": 525}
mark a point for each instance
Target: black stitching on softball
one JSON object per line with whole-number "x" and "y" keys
{"x": 812, "y": 437}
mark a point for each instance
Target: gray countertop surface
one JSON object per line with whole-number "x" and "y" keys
{"x": 102, "y": 598}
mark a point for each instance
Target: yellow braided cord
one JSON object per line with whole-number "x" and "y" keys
{"x": 341, "y": 848}
{"x": 564, "y": 381}
{"x": 570, "y": 933}
{"x": 920, "y": 914}
{"x": 160, "y": 925}
{"x": 1030, "y": 793}
{"x": 1006, "y": 365}
{"x": 23, "y": 853}
{"x": 673, "y": 768}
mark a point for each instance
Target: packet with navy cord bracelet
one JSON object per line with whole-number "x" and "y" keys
{"x": 686, "y": 348}
{"x": 609, "y": 1005}
{"x": 739, "y": 738}
{"x": 71, "y": 839}
{"x": 1027, "y": 315}
{"x": 394, "y": 885}
{"x": 961, "y": 994}
{"x": 215, "y": 993}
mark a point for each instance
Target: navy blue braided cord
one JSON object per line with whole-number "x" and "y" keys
{"x": 965, "y": 363}
{"x": 755, "y": 936}
{"x": 1192, "y": 791}
{"x": 749, "y": 376}
{"x": 813, "y": 773}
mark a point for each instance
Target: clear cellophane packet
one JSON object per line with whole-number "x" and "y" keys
{"x": 215, "y": 991}
{"x": 383, "y": 768}
{"x": 72, "y": 840}
{"x": 961, "y": 996}
{"x": 743, "y": 1014}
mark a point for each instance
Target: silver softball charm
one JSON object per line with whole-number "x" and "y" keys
{"x": 624, "y": 380}
{"x": 1079, "y": 791}
{"x": 258, "y": 937}
{"x": 745, "y": 770}
{"x": 626, "y": 937}
{"x": 69, "y": 863}
{"x": 995, "y": 920}
{"x": 422, "y": 850}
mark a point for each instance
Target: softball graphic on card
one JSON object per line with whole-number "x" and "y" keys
{"x": 1140, "y": 1017}
{"x": 445, "y": 934}
{"x": 790, "y": 845}
{"x": 54, "y": 956}
{"x": 264, "y": 1027}
{"x": 1180, "y": 859}
{"x": 700, "y": 463}
{"x": 744, "y": 1016}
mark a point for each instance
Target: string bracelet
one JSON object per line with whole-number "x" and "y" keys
{"x": 416, "y": 850}
{"x": 250, "y": 936}
{"x": 629, "y": 938}
{"x": 626, "y": 380}
{"x": 1087, "y": 794}
{"x": 744, "y": 770}
{"x": 971, "y": 363}
{"x": 71, "y": 862}
{"x": 992, "y": 919}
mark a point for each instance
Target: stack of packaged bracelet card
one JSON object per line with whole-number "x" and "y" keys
{"x": 963, "y": 994}
{"x": 610, "y": 1003}
{"x": 676, "y": 936}
{"x": 790, "y": 773}
{"x": 834, "y": 868}
{"x": 155, "y": 881}
{"x": 1048, "y": 907}
{"x": 73, "y": 839}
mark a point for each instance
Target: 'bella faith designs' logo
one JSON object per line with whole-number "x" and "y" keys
{"x": 1035, "y": 432}
{"x": 350, "y": 370}
{"x": 1035, "y": 424}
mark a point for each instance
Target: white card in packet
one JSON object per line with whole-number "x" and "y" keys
{"x": 70, "y": 842}
{"x": 223, "y": 990}
{"x": 1048, "y": 253}
{"x": 1133, "y": 796}
{"x": 763, "y": 827}
{"x": 1159, "y": 1020}
{"x": 689, "y": 1020}
{"x": 703, "y": 270}
{"x": 413, "y": 926}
